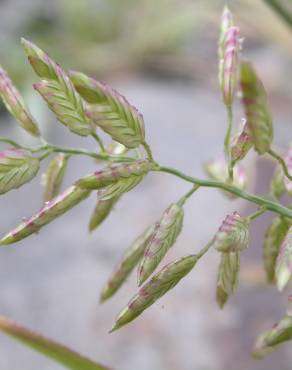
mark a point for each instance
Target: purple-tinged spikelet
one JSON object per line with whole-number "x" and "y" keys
{"x": 115, "y": 174}
{"x": 49, "y": 212}
{"x": 58, "y": 91}
{"x": 233, "y": 234}
{"x": 241, "y": 144}
{"x": 155, "y": 288}
{"x": 15, "y": 104}
{"x": 230, "y": 64}
{"x": 164, "y": 236}
{"x": 110, "y": 110}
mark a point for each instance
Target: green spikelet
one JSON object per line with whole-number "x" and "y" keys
{"x": 101, "y": 212}
{"x": 268, "y": 341}
{"x": 127, "y": 263}
{"x": 258, "y": 116}
{"x": 53, "y": 177}
{"x": 17, "y": 167}
{"x": 166, "y": 232}
{"x": 109, "y": 110}
{"x": 227, "y": 279}
{"x": 274, "y": 237}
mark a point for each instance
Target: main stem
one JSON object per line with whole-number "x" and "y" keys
{"x": 266, "y": 203}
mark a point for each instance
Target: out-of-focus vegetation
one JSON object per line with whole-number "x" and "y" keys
{"x": 112, "y": 37}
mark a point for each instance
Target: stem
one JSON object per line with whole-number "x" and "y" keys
{"x": 205, "y": 249}
{"x": 188, "y": 194}
{"x": 10, "y": 142}
{"x": 102, "y": 156}
{"x": 98, "y": 140}
{"x": 268, "y": 204}
{"x": 227, "y": 141}
{"x": 281, "y": 161}
{"x": 148, "y": 151}
{"x": 257, "y": 213}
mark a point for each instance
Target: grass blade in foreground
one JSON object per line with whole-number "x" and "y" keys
{"x": 47, "y": 347}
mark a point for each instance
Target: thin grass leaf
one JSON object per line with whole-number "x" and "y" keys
{"x": 48, "y": 213}
{"x": 254, "y": 100}
{"x": 164, "y": 236}
{"x": 53, "y": 350}
{"x": 126, "y": 265}
{"x": 15, "y": 104}
{"x": 53, "y": 177}
{"x": 58, "y": 91}
{"x": 161, "y": 283}
{"x": 110, "y": 110}
{"x": 17, "y": 167}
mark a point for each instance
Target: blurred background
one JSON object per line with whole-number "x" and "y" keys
{"x": 162, "y": 55}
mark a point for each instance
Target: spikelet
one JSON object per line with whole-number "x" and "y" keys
{"x": 58, "y": 91}
{"x": 254, "y": 100}
{"x": 229, "y": 67}
{"x": 101, "y": 211}
{"x": 53, "y": 177}
{"x": 164, "y": 236}
{"x": 268, "y": 341}
{"x": 110, "y": 110}
{"x": 241, "y": 144}
{"x": 161, "y": 283}
{"x": 17, "y": 167}
{"x": 233, "y": 234}
{"x": 227, "y": 279}
{"x": 274, "y": 237}
{"x": 116, "y": 180}
{"x": 283, "y": 270}
{"x": 127, "y": 263}
{"x": 277, "y": 186}
{"x": 15, "y": 104}
{"x": 49, "y": 212}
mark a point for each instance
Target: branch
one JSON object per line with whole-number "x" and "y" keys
{"x": 263, "y": 202}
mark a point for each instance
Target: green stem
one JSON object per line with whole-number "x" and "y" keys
{"x": 148, "y": 151}
{"x": 268, "y": 204}
{"x": 281, "y": 161}
{"x": 10, "y": 142}
{"x": 227, "y": 141}
{"x": 205, "y": 249}
{"x": 102, "y": 156}
{"x": 257, "y": 213}
{"x": 183, "y": 199}
{"x": 99, "y": 141}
